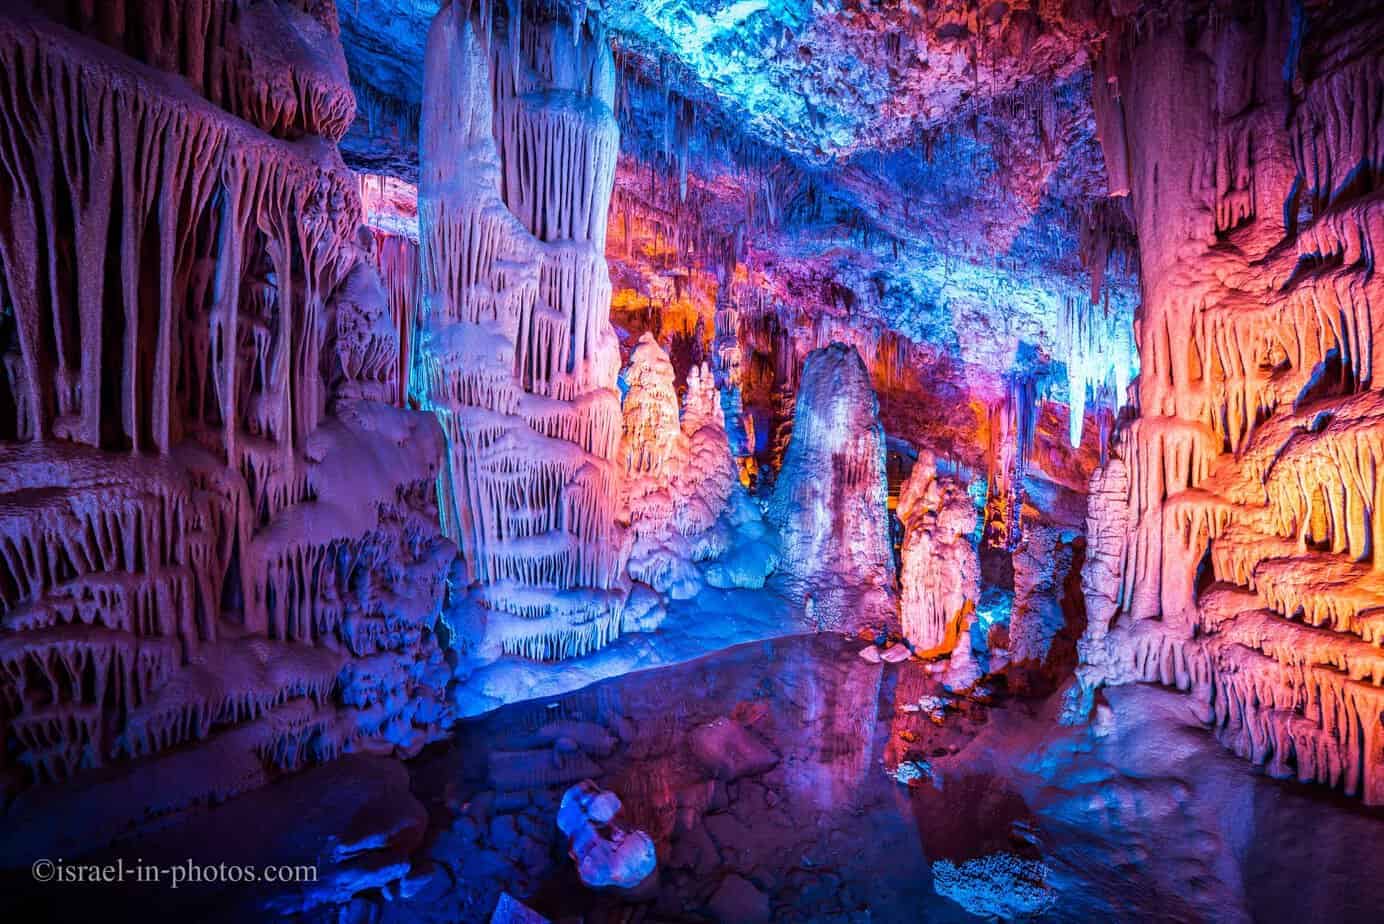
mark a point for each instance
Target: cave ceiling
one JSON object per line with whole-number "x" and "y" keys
{"x": 930, "y": 168}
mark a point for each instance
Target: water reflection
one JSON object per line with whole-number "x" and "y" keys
{"x": 763, "y": 763}
{"x": 763, "y": 774}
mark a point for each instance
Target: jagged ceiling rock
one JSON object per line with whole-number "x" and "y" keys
{"x": 829, "y": 78}
{"x": 823, "y": 79}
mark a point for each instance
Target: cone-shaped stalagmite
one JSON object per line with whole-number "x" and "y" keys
{"x": 829, "y": 500}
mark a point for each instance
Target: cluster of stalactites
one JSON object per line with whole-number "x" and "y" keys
{"x": 1097, "y": 345}
{"x": 191, "y": 374}
{"x": 278, "y": 66}
{"x": 728, "y": 367}
{"x": 515, "y": 352}
{"x": 186, "y": 210}
{"x": 554, "y": 127}
{"x": 1234, "y": 536}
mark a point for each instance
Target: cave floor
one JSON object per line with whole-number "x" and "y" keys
{"x": 766, "y": 776}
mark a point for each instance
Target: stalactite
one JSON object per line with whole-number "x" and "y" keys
{"x": 204, "y": 479}
{"x": 1099, "y": 357}
{"x": 279, "y": 66}
{"x": 397, "y": 259}
{"x": 1013, "y": 422}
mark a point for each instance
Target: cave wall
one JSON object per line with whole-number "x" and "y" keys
{"x": 218, "y": 539}
{"x": 1234, "y": 536}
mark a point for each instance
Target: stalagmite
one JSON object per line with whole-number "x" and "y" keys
{"x": 939, "y": 571}
{"x": 690, "y": 520}
{"x": 654, "y": 454}
{"x": 829, "y": 500}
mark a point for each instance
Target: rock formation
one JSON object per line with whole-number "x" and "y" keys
{"x": 829, "y": 500}
{"x": 516, "y": 355}
{"x": 1235, "y": 535}
{"x": 218, "y": 539}
{"x": 690, "y": 519}
{"x": 654, "y": 454}
{"x": 939, "y": 571}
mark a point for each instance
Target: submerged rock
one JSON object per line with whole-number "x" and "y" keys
{"x": 509, "y": 910}
{"x": 728, "y": 751}
{"x": 607, "y": 856}
{"x": 1000, "y": 885}
{"x": 896, "y": 653}
{"x": 737, "y": 901}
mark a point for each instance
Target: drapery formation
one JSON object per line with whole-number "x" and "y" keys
{"x": 515, "y": 353}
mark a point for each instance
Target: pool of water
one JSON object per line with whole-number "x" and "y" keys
{"x": 824, "y": 833}
{"x": 768, "y": 777}
{"x": 1142, "y": 816}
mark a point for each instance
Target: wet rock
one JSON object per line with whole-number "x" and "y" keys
{"x": 729, "y": 833}
{"x": 606, "y": 854}
{"x": 420, "y": 877}
{"x": 504, "y": 832}
{"x": 729, "y": 751}
{"x": 531, "y": 855}
{"x": 587, "y": 737}
{"x": 509, "y": 910}
{"x": 896, "y": 653}
{"x": 511, "y": 801}
{"x": 737, "y": 901}
{"x": 695, "y": 850}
